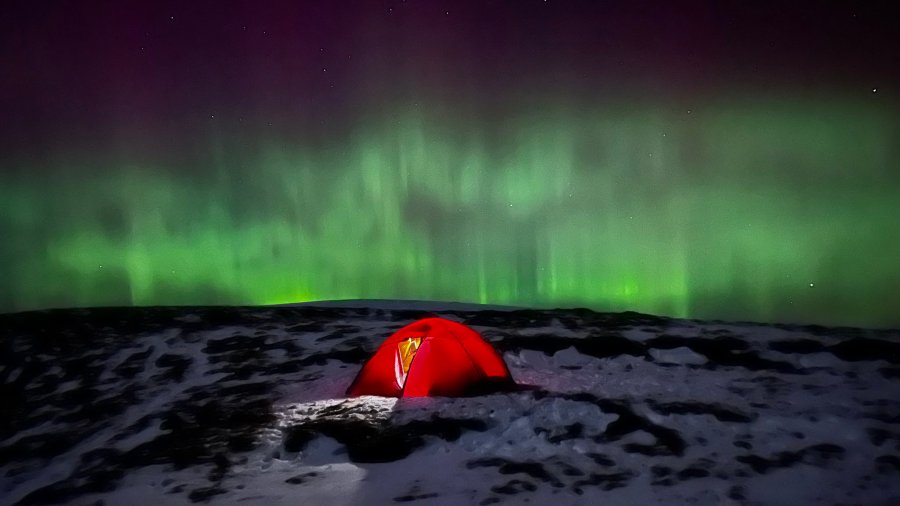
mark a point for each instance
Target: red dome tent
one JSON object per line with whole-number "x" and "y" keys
{"x": 432, "y": 357}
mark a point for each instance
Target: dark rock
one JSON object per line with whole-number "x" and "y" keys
{"x": 886, "y": 463}
{"x": 606, "y": 482}
{"x": 301, "y": 478}
{"x": 862, "y": 348}
{"x": 373, "y": 442}
{"x": 513, "y": 487}
{"x": 411, "y": 497}
{"x": 721, "y": 412}
{"x": 205, "y": 494}
{"x": 534, "y": 469}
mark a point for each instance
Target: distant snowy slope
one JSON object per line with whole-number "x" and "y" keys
{"x": 402, "y": 304}
{"x": 245, "y": 406}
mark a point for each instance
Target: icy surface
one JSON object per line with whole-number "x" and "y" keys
{"x": 245, "y": 406}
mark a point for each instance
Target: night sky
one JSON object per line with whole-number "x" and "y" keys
{"x": 720, "y": 159}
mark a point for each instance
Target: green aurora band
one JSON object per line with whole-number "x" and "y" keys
{"x": 752, "y": 209}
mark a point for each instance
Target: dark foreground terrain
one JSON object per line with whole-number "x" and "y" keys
{"x": 245, "y": 405}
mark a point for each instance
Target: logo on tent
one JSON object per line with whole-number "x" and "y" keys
{"x": 406, "y": 352}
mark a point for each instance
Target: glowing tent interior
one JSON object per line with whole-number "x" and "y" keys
{"x": 432, "y": 357}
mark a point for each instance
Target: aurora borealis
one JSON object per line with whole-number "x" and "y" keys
{"x": 669, "y": 160}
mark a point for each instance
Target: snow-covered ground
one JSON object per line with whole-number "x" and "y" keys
{"x": 245, "y": 406}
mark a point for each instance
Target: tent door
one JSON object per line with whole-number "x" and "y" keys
{"x": 406, "y": 352}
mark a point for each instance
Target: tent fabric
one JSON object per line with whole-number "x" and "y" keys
{"x": 432, "y": 357}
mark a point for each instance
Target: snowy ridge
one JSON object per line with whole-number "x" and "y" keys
{"x": 402, "y": 305}
{"x": 245, "y": 406}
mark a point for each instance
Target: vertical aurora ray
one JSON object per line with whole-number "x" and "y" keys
{"x": 743, "y": 208}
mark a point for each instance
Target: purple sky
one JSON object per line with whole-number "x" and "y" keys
{"x": 78, "y": 71}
